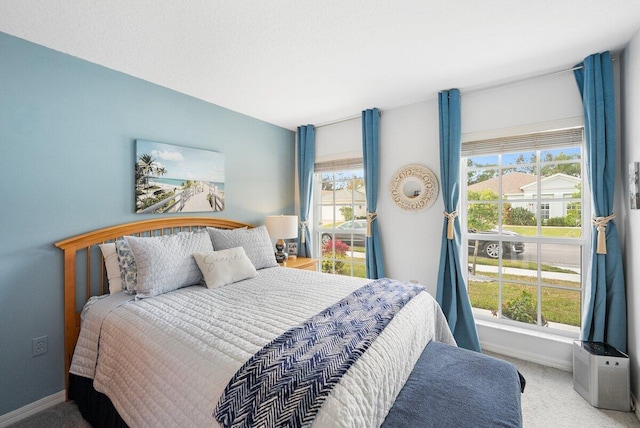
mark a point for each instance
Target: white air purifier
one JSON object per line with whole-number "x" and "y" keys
{"x": 601, "y": 375}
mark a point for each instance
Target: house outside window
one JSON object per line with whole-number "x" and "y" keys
{"x": 523, "y": 203}
{"x": 340, "y": 217}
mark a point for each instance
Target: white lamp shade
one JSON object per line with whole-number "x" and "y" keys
{"x": 282, "y": 226}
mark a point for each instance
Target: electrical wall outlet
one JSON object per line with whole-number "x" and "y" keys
{"x": 39, "y": 346}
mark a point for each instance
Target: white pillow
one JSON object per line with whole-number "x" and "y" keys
{"x": 225, "y": 266}
{"x": 166, "y": 263}
{"x": 256, "y": 243}
{"x": 113, "y": 267}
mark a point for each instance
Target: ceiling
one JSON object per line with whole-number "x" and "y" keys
{"x": 293, "y": 62}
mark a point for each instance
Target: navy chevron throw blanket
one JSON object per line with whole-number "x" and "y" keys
{"x": 288, "y": 380}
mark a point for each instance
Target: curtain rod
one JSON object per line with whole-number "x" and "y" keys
{"x": 614, "y": 57}
{"x": 524, "y": 79}
{"x": 516, "y": 81}
{"x": 346, "y": 119}
{"x": 333, "y": 122}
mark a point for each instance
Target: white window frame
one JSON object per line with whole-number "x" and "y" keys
{"x": 335, "y": 166}
{"x": 584, "y": 242}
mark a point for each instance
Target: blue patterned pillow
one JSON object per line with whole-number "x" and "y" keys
{"x": 128, "y": 268}
{"x": 256, "y": 243}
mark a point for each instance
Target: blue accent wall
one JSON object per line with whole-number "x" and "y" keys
{"x": 67, "y": 132}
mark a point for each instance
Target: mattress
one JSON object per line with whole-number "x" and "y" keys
{"x": 165, "y": 361}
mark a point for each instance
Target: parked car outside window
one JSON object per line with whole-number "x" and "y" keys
{"x": 491, "y": 249}
{"x": 351, "y": 232}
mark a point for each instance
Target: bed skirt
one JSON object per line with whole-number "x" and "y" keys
{"x": 94, "y": 406}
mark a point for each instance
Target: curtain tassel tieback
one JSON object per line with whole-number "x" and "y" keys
{"x": 303, "y": 231}
{"x": 450, "y": 218}
{"x": 370, "y": 218}
{"x": 601, "y": 223}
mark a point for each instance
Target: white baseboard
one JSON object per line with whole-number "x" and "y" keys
{"x": 544, "y": 360}
{"x": 634, "y": 403}
{"x": 31, "y": 409}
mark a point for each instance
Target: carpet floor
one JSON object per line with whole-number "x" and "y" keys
{"x": 548, "y": 401}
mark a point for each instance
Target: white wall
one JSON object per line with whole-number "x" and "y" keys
{"x": 411, "y": 242}
{"x": 629, "y": 219}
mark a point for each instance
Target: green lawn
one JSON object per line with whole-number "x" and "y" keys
{"x": 520, "y": 264}
{"x": 561, "y": 306}
{"x": 548, "y": 231}
{"x": 330, "y": 225}
{"x": 343, "y": 266}
{"x": 360, "y": 271}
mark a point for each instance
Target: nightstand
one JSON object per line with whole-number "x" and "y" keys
{"x": 304, "y": 263}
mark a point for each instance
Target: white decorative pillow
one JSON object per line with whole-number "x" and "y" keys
{"x": 112, "y": 266}
{"x": 128, "y": 269}
{"x": 166, "y": 263}
{"x": 225, "y": 266}
{"x": 256, "y": 243}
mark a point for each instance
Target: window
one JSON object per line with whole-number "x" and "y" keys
{"x": 544, "y": 211}
{"x": 341, "y": 212}
{"x": 523, "y": 201}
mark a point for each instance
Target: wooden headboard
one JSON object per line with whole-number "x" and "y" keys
{"x": 80, "y": 246}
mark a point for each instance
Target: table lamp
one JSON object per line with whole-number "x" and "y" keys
{"x": 282, "y": 227}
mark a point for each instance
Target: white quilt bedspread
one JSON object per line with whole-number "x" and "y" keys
{"x": 165, "y": 361}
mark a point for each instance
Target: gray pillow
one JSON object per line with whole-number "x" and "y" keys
{"x": 166, "y": 263}
{"x": 256, "y": 243}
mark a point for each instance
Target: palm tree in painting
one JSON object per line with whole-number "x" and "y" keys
{"x": 144, "y": 168}
{"x": 147, "y": 167}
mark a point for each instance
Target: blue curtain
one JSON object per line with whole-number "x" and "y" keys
{"x": 306, "y": 156}
{"x": 370, "y": 143}
{"x": 452, "y": 290}
{"x": 604, "y": 315}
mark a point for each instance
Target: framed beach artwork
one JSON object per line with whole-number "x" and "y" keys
{"x": 173, "y": 179}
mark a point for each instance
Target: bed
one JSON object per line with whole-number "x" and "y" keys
{"x": 169, "y": 357}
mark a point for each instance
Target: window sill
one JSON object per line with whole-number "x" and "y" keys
{"x": 547, "y": 348}
{"x": 555, "y": 335}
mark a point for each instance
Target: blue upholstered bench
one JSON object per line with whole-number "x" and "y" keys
{"x": 455, "y": 387}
